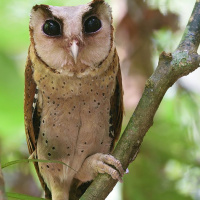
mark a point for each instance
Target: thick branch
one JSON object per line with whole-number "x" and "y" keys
{"x": 2, "y": 189}
{"x": 170, "y": 68}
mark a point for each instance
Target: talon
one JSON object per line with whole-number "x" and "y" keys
{"x": 105, "y": 168}
{"x": 101, "y": 163}
{"x": 112, "y": 161}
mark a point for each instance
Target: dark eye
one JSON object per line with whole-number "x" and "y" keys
{"x": 92, "y": 25}
{"x": 52, "y": 28}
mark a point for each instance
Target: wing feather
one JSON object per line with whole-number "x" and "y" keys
{"x": 32, "y": 118}
{"x": 117, "y": 109}
{"x": 29, "y": 93}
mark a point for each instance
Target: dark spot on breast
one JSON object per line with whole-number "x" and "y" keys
{"x": 49, "y": 154}
{"x": 59, "y": 170}
{"x": 46, "y": 141}
{"x": 68, "y": 154}
{"x": 53, "y": 102}
{"x": 47, "y": 166}
{"x": 53, "y": 148}
{"x": 67, "y": 147}
{"x": 43, "y": 134}
{"x": 82, "y": 151}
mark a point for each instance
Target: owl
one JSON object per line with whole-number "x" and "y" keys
{"x": 73, "y": 103}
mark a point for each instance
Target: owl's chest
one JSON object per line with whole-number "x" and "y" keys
{"x": 75, "y": 121}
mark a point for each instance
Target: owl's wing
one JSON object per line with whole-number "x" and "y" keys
{"x": 32, "y": 117}
{"x": 29, "y": 93}
{"x": 117, "y": 110}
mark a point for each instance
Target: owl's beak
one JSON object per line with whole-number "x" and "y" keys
{"x": 74, "y": 50}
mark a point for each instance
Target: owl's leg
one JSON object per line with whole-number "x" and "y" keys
{"x": 59, "y": 190}
{"x": 100, "y": 163}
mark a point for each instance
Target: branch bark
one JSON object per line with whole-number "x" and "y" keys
{"x": 2, "y": 188}
{"x": 170, "y": 68}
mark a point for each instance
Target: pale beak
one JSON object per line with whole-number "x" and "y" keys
{"x": 74, "y": 50}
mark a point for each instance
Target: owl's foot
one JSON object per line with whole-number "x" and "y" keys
{"x": 101, "y": 163}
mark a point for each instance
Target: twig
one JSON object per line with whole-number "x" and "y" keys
{"x": 170, "y": 68}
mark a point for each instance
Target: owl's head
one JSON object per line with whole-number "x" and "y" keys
{"x": 72, "y": 39}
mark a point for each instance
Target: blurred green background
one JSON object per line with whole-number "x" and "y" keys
{"x": 168, "y": 165}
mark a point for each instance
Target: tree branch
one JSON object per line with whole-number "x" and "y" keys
{"x": 170, "y": 68}
{"x": 2, "y": 189}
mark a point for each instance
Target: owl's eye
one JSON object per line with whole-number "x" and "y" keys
{"x": 92, "y": 25}
{"x": 52, "y": 28}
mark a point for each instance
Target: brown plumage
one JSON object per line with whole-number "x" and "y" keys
{"x": 73, "y": 96}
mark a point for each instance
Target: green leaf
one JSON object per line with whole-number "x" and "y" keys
{"x": 22, "y": 196}
{"x": 33, "y": 160}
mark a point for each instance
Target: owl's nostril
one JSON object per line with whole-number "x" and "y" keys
{"x": 74, "y": 41}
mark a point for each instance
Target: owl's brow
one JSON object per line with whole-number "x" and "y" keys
{"x": 93, "y": 8}
{"x": 46, "y": 9}
{"x": 43, "y": 7}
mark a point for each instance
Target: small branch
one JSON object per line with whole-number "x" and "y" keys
{"x": 170, "y": 68}
{"x": 2, "y": 187}
{"x": 191, "y": 34}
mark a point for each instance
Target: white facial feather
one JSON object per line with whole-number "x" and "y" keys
{"x": 55, "y": 51}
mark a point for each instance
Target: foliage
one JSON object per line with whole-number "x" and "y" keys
{"x": 165, "y": 156}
